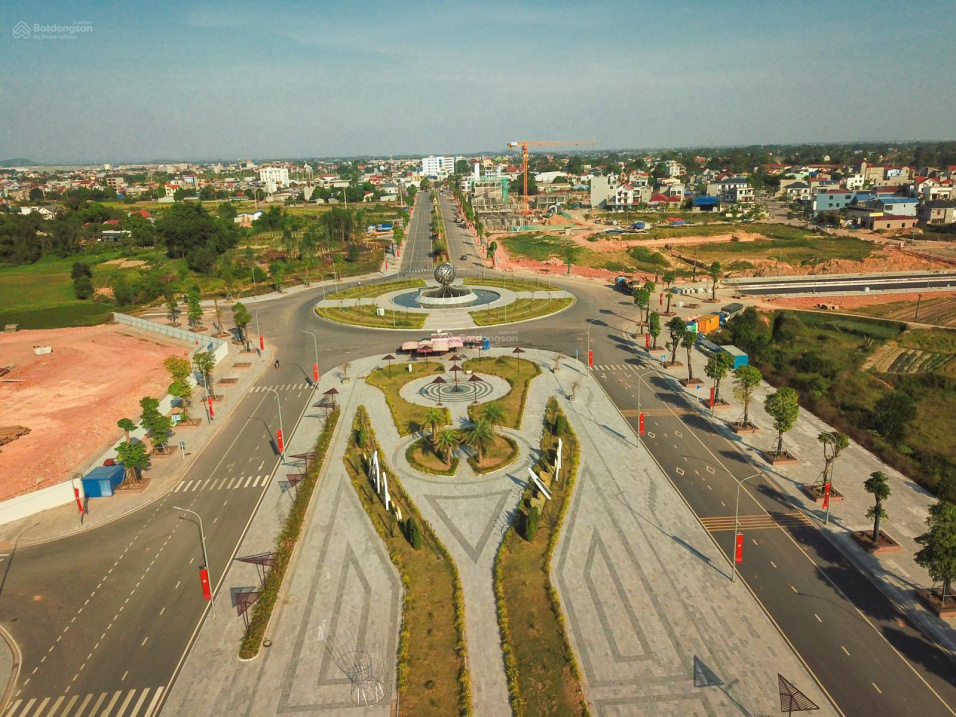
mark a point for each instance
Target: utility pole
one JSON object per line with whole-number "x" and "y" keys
{"x": 205, "y": 557}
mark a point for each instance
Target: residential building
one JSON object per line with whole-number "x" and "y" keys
{"x": 832, "y": 201}
{"x": 274, "y": 178}
{"x": 798, "y": 192}
{"x": 117, "y": 183}
{"x": 736, "y": 190}
{"x": 437, "y": 166}
{"x": 937, "y": 213}
{"x": 853, "y": 182}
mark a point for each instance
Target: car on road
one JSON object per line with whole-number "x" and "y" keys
{"x": 463, "y": 257}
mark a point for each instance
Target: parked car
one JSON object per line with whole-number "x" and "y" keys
{"x": 463, "y": 257}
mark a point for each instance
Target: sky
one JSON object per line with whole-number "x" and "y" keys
{"x": 136, "y": 81}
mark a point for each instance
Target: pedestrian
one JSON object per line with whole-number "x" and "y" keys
{"x": 277, "y": 363}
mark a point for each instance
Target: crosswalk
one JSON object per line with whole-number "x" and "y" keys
{"x": 137, "y": 702}
{"x": 613, "y": 367}
{"x": 233, "y": 483}
{"x": 282, "y": 387}
{"x": 763, "y": 521}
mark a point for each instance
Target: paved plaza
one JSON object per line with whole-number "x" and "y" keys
{"x": 658, "y": 626}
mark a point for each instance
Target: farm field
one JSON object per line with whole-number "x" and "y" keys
{"x": 933, "y": 309}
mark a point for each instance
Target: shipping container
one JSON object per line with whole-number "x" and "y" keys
{"x": 738, "y": 357}
{"x": 102, "y": 480}
{"x": 708, "y": 323}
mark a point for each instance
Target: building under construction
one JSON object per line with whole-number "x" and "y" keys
{"x": 491, "y": 203}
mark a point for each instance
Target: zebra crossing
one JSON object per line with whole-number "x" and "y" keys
{"x": 137, "y": 702}
{"x": 233, "y": 483}
{"x": 612, "y": 367}
{"x": 282, "y": 387}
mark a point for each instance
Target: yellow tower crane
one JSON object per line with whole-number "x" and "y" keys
{"x": 524, "y": 165}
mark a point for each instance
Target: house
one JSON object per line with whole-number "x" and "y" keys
{"x": 736, "y": 190}
{"x": 798, "y": 192}
{"x": 42, "y": 211}
{"x": 705, "y": 204}
{"x": 833, "y": 200}
{"x": 937, "y": 213}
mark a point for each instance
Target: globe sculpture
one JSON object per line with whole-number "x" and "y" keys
{"x": 445, "y": 295}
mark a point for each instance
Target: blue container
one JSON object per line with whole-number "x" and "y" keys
{"x": 485, "y": 344}
{"x": 102, "y": 480}
{"x": 738, "y": 357}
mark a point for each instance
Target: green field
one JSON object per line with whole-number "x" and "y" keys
{"x": 372, "y": 290}
{"x": 520, "y": 310}
{"x": 365, "y": 316}
{"x": 807, "y": 250}
{"x": 514, "y": 284}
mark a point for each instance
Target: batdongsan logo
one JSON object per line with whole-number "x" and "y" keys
{"x": 36, "y": 31}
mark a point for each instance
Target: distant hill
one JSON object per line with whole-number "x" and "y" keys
{"x": 17, "y": 162}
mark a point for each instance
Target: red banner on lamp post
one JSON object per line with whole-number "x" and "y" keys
{"x": 826, "y": 495}
{"x": 590, "y": 359}
{"x": 315, "y": 372}
{"x": 647, "y": 341}
{"x": 204, "y": 579}
{"x": 711, "y": 396}
{"x": 212, "y": 413}
{"x": 279, "y": 439}
{"x": 79, "y": 503}
{"x": 662, "y": 298}
{"x": 640, "y": 424}
{"x": 262, "y": 344}
{"x": 739, "y": 552}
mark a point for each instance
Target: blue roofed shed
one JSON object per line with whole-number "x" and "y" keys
{"x": 103, "y": 480}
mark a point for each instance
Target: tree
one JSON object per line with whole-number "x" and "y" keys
{"x": 938, "y": 554}
{"x": 184, "y": 392}
{"x": 892, "y": 414}
{"x": 714, "y": 272}
{"x": 277, "y": 272}
{"x": 783, "y": 407}
{"x": 494, "y": 414}
{"x": 172, "y": 307}
{"x": 133, "y": 457}
{"x": 241, "y": 316}
{"x": 654, "y": 327}
{"x": 194, "y": 308}
{"x": 746, "y": 380}
{"x": 79, "y": 269}
{"x": 641, "y": 298}
{"x": 433, "y": 419}
{"x": 479, "y": 435}
{"x": 82, "y": 288}
{"x": 878, "y": 486}
{"x": 445, "y": 443}
{"x": 677, "y": 328}
{"x": 531, "y": 522}
{"x": 205, "y": 362}
{"x": 461, "y": 167}
{"x": 36, "y": 194}
{"x": 833, "y": 444}
{"x": 126, "y": 425}
{"x": 669, "y": 278}
{"x": 718, "y": 365}
{"x": 413, "y": 532}
{"x": 687, "y": 341}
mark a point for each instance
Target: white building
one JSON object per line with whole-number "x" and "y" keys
{"x": 437, "y": 166}
{"x": 274, "y": 178}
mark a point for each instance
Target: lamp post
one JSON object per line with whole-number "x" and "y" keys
{"x": 202, "y": 540}
{"x": 315, "y": 366}
{"x": 474, "y": 381}
{"x": 733, "y": 558}
{"x": 279, "y": 404}
{"x": 261, "y": 358}
{"x": 590, "y": 321}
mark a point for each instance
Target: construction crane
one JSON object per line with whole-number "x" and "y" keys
{"x": 524, "y": 165}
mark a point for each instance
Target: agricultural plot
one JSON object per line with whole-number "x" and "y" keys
{"x": 916, "y": 361}
{"x": 940, "y": 311}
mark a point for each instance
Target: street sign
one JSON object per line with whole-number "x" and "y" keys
{"x": 739, "y": 552}
{"x": 204, "y": 579}
{"x": 279, "y": 439}
{"x": 640, "y": 424}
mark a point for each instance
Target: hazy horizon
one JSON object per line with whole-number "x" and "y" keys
{"x": 110, "y": 82}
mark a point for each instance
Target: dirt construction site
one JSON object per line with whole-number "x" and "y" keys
{"x": 70, "y": 398}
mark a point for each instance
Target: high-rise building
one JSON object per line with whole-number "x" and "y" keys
{"x": 274, "y": 178}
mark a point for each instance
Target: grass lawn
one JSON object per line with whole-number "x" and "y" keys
{"x": 421, "y": 456}
{"x": 432, "y": 673}
{"x": 533, "y": 245}
{"x": 407, "y": 416}
{"x": 500, "y": 453}
{"x": 807, "y": 249}
{"x": 517, "y": 372}
{"x": 511, "y": 283}
{"x": 938, "y": 340}
{"x": 520, "y": 310}
{"x": 372, "y": 290}
{"x": 365, "y": 316}
{"x": 545, "y": 676}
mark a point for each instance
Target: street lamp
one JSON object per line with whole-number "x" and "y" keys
{"x": 261, "y": 358}
{"x": 205, "y": 557}
{"x": 733, "y": 557}
{"x": 279, "y": 404}
{"x": 315, "y": 366}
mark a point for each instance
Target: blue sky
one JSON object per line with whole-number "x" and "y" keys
{"x": 296, "y": 79}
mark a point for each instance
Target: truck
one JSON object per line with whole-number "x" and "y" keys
{"x": 625, "y": 285}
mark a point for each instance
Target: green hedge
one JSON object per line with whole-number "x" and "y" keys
{"x": 285, "y": 544}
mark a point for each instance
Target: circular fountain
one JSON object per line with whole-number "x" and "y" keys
{"x": 445, "y": 296}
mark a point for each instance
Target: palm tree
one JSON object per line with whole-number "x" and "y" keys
{"x": 714, "y": 272}
{"x": 687, "y": 341}
{"x": 479, "y": 436}
{"x": 445, "y": 443}
{"x": 432, "y": 421}
{"x": 494, "y": 414}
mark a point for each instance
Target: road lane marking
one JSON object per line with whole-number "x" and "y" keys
{"x": 143, "y": 643}
{"x": 129, "y": 698}
{"x": 794, "y": 589}
{"x": 249, "y": 480}
{"x": 680, "y": 471}
{"x": 845, "y": 650}
{"x": 109, "y": 707}
{"x": 123, "y": 678}
{"x": 155, "y": 701}
{"x": 162, "y": 611}
{"x": 817, "y": 617}
{"x": 139, "y": 704}
{"x": 876, "y": 688}
{"x": 774, "y": 564}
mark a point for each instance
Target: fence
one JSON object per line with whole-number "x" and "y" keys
{"x": 217, "y": 347}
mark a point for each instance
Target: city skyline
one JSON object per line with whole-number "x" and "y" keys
{"x": 131, "y": 84}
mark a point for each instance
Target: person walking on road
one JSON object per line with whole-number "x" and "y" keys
{"x": 277, "y": 363}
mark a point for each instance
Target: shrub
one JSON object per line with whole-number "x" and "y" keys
{"x": 83, "y": 287}
{"x": 531, "y": 522}
{"x": 413, "y": 532}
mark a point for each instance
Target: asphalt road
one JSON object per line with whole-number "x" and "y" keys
{"x": 109, "y": 614}
{"x": 828, "y": 286}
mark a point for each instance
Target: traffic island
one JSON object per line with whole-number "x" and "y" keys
{"x": 814, "y": 492}
{"x": 932, "y": 599}
{"x": 883, "y": 544}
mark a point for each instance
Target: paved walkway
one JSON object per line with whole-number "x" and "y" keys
{"x": 341, "y": 595}
{"x": 163, "y": 474}
{"x": 908, "y": 505}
